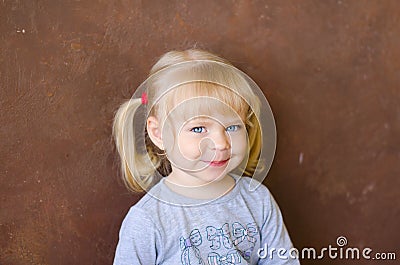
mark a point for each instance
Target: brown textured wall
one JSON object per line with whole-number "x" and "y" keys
{"x": 330, "y": 69}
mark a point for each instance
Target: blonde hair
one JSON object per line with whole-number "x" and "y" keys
{"x": 208, "y": 75}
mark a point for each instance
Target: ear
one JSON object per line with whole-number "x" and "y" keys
{"x": 154, "y": 131}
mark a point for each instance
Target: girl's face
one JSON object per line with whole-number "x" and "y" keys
{"x": 204, "y": 147}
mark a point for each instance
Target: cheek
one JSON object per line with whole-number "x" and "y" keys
{"x": 189, "y": 148}
{"x": 239, "y": 143}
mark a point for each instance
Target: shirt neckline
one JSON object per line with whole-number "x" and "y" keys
{"x": 164, "y": 194}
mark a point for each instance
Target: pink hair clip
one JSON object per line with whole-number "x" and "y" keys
{"x": 144, "y": 98}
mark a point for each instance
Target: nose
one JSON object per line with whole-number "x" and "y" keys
{"x": 220, "y": 141}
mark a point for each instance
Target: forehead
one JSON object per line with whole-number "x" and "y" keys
{"x": 202, "y": 100}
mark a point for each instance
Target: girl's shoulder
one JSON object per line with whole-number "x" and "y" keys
{"x": 255, "y": 193}
{"x": 251, "y": 186}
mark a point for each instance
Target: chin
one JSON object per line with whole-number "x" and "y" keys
{"x": 216, "y": 176}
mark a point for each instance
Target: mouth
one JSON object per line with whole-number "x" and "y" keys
{"x": 217, "y": 163}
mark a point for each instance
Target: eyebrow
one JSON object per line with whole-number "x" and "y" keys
{"x": 198, "y": 120}
{"x": 207, "y": 121}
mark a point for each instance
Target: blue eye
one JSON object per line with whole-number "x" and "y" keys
{"x": 233, "y": 128}
{"x": 197, "y": 129}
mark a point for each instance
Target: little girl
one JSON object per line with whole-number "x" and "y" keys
{"x": 193, "y": 141}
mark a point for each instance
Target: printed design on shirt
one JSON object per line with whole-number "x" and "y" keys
{"x": 244, "y": 238}
{"x": 216, "y": 235}
{"x": 190, "y": 252}
{"x": 231, "y": 258}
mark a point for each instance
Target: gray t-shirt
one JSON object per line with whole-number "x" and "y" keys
{"x": 237, "y": 228}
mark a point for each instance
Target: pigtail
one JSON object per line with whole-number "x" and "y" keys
{"x": 137, "y": 167}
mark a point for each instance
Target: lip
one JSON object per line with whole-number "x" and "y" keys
{"x": 217, "y": 163}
